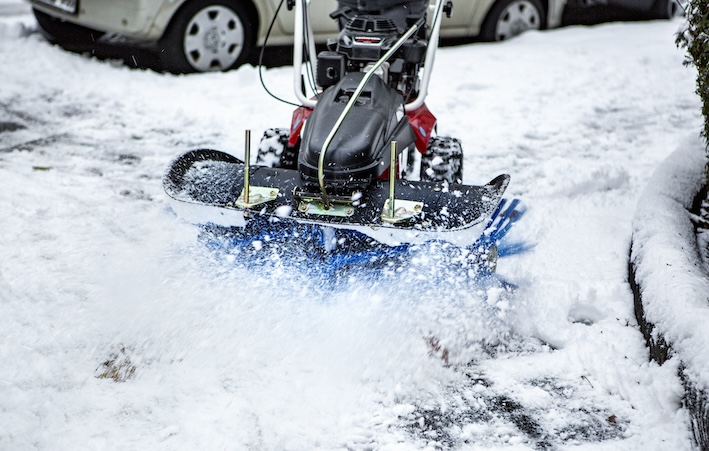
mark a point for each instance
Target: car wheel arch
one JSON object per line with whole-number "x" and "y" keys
{"x": 172, "y": 12}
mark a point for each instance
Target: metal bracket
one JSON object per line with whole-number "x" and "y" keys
{"x": 257, "y": 195}
{"x": 320, "y": 208}
{"x": 405, "y": 211}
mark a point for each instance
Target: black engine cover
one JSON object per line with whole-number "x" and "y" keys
{"x": 360, "y": 150}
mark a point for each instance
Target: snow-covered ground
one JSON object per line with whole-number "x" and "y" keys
{"x": 94, "y": 266}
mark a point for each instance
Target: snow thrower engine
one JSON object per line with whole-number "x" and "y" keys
{"x": 363, "y": 41}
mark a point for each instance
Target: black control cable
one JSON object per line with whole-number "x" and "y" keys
{"x": 260, "y": 58}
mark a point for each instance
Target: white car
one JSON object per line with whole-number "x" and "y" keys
{"x": 207, "y": 35}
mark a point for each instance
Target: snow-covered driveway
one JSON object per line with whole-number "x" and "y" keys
{"x": 94, "y": 266}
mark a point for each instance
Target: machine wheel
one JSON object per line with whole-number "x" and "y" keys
{"x": 207, "y": 35}
{"x": 63, "y": 32}
{"x": 443, "y": 161}
{"x": 666, "y": 9}
{"x": 509, "y": 18}
{"x": 270, "y": 149}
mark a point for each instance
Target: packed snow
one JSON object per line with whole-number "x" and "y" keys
{"x": 122, "y": 329}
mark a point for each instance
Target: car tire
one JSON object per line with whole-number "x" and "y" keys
{"x": 65, "y": 33}
{"x": 666, "y": 9}
{"x": 509, "y": 18}
{"x": 207, "y": 35}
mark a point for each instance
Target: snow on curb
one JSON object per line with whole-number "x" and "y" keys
{"x": 669, "y": 279}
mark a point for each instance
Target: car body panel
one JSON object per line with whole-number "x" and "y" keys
{"x": 148, "y": 19}
{"x": 465, "y": 18}
{"x": 319, "y": 15}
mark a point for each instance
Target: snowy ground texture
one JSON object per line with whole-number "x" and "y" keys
{"x": 95, "y": 269}
{"x": 670, "y": 272}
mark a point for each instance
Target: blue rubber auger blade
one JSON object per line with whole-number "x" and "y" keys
{"x": 501, "y": 221}
{"x": 511, "y": 216}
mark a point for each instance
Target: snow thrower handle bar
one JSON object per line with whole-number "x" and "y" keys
{"x": 302, "y": 15}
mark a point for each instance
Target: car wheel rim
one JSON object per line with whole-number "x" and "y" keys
{"x": 214, "y": 39}
{"x": 518, "y": 17}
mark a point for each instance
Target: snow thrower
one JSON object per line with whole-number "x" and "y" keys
{"x": 360, "y": 174}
